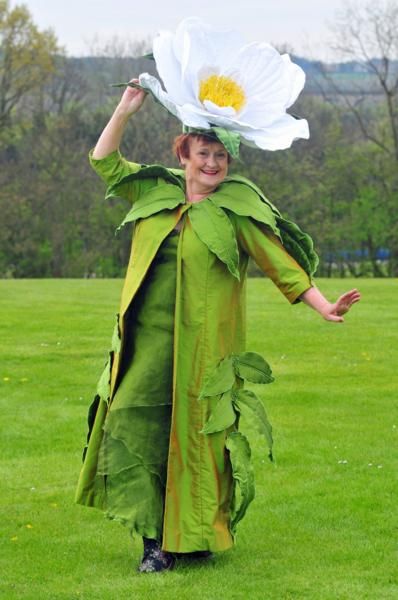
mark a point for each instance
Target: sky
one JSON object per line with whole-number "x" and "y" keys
{"x": 81, "y": 25}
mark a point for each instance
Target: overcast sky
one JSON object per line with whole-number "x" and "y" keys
{"x": 302, "y": 24}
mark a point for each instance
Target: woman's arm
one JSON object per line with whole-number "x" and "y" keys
{"x": 331, "y": 312}
{"x": 110, "y": 138}
{"x": 270, "y": 255}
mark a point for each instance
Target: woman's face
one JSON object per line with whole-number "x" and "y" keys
{"x": 206, "y": 167}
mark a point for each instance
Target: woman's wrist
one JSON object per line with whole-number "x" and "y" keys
{"x": 122, "y": 114}
{"x": 313, "y": 298}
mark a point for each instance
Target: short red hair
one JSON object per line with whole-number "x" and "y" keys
{"x": 182, "y": 144}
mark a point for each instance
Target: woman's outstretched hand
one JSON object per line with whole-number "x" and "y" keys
{"x": 342, "y": 306}
{"x": 329, "y": 311}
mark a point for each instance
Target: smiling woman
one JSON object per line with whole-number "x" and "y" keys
{"x": 165, "y": 455}
{"x": 205, "y": 162}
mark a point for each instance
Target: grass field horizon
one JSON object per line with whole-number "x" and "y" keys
{"x": 323, "y": 525}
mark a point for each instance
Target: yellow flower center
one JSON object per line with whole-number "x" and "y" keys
{"x": 222, "y": 91}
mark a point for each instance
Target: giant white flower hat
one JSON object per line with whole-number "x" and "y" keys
{"x": 213, "y": 80}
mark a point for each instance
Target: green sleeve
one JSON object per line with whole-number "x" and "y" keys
{"x": 113, "y": 169}
{"x": 268, "y": 252}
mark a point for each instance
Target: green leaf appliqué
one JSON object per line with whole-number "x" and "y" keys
{"x": 115, "y": 344}
{"x": 221, "y": 380}
{"x": 229, "y": 139}
{"x": 251, "y": 407}
{"x": 243, "y": 201}
{"x": 161, "y": 197}
{"x": 104, "y": 381}
{"x": 222, "y": 416}
{"x": 214, "y": 228}
{"x": 252, "y": 367}
{"x": 242, "y": 473}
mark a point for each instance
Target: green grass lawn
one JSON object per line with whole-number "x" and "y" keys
{"x": 324, "y": 521}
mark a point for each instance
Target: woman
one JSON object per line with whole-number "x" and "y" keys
{"x": 156, "y": 459}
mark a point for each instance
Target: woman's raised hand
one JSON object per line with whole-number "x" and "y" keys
{"x": 132, "y": 99}
{"x": 110, "y": 138}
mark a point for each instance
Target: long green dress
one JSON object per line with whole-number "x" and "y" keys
{"x": 164, "y": 453}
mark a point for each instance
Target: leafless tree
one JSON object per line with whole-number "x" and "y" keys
{"x": 367, "y": 34}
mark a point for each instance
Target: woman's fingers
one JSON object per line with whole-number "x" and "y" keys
{"x": 346, "y": 300}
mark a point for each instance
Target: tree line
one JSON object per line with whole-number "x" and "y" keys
{"x": 341, "y": 185}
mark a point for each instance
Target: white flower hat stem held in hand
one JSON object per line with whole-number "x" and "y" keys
{"x": 212, "y": 79}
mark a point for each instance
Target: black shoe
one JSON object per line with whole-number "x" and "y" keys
{"x": 155, "y": 559}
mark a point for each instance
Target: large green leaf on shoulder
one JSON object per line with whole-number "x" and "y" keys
{"x": 255, "y": 188}
{"x": 251, "y": 407}
{"x": 252, "y": 367}
{"x": 298, "y": 243}
{"x": 173, "y": 176}
{"x": 244, "y": 201}
{"x": 161, "y": 197}
{"x": 222, "y": 416}
{"x": 221, "y": 379}
{"x": 242, "y": 473}
{"x": 214, "y": 229}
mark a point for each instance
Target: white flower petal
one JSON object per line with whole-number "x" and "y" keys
{"x": 280, "y": 135}
{"x": 259, "y": 114}
{"x": 214, "y": 109}
{"x": 295, "y": 79}
{"x": 195, "y": 40}
{"x": 269, "y": 76}
{"x": 152, "y": 84}
{"x": 169, "y": 68}
{"x": 202, "y": 48}
{"x": 190, "y": 116}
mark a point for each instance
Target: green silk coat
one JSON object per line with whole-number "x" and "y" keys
{"x": 217, "y": 237}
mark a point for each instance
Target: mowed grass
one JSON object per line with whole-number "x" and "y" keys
{"x": 324, "y": 521}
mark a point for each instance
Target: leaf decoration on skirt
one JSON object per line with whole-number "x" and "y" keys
{"x": 115, "y": 344}
{"x": 104, "y": 381}
{"x": 222, "y": 417}
{"x": 251, "y": 407}
{"x": 221, "y": 380}
{"x": 242, "y": 472}
{"x": 252, "y": 367}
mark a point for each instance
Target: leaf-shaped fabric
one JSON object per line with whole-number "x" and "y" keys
{"x": 103, "y": 383}
{"x": 249, "y": 405}
{"x": 252, "y": 367}
{"x": 174, "y": 176}
{"x": 244, "y": 201}
{"x": 255, "y": 188}
{"x": 115, "y": 346}
{"x": 214, "y": 229}
{"x": 229, "y": 139}
{"x": 222, "y": 416}
{"x": 299, "y": 245}
{"x": 161, "y": 197}
{"x": 242, "y": 473}
{"x": 221, "y": 380}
